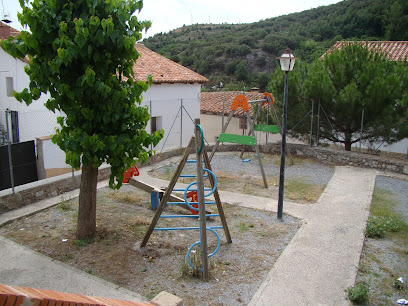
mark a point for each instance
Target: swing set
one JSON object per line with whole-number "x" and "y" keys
{"x": 240, "y": 101}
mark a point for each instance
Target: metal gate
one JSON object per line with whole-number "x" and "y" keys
{"x": 24, "y": 164}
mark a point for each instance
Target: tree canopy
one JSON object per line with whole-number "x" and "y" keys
{"x": 209, "y": 49}
{"x": 82, "y": 52}
{"x": 345, "y": 83}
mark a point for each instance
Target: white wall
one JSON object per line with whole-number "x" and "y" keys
{"x": 35, "y": 120}
{"x": 398, "y": 147}
{"x": 165, "y": 101}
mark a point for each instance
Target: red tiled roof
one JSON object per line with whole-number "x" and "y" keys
{"x": 211, "y": 102}
{"x": 162, "y": 69}
{"x": 6, "y": 31}
{"x": 394, "y": 50}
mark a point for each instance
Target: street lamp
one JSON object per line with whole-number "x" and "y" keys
{"x": 287, "y": 61}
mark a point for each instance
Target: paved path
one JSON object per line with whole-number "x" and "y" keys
{"x": 23, "y": 267}
{"x": 315, "y": 268}
{"x": 322, "y": 259}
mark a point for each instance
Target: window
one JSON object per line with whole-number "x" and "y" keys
{"x": 9, "y": 86}
{"x": 156, "y": 123}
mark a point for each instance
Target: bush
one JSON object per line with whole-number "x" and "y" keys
{"x": 358, "y": 294}
{"x": 377, "y": 227}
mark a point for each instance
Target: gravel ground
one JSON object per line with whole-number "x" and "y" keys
{"x": 399, "y": 188}
{"x": 317, "y": 173}
{"x": 385, "y": 259}
{"x": 231, "y": 162}
{"x": 236, "y": 270}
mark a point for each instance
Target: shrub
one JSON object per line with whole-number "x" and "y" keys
{"x": 377, "y": 227}
{"x": 64, "y": 205}
{"x": 358, "y": 294}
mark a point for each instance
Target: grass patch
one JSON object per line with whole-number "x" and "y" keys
{"x": 384, "y": 260}
{"x": 125, "y": 197}
{"x": 297, "y": 161}
{"x": 358, "y": 294}
{"x": 300, "y": 190}
{"x": 65, "y": 205}
{"x": 242, "y": 227}
{"x": 81, "y": 243}
{"x": 383, "y": 219}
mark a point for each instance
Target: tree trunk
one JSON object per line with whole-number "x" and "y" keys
{"x": 86, "y": 226}
{"x": 347, "y": 142}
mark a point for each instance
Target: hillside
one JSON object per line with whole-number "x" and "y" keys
{"x": 247, "y": 52}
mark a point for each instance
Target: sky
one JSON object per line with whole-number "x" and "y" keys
{"x": 167, "y": 15}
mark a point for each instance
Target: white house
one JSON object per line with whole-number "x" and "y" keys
{"x": 215, "y": 104}
{"x": 25, "y": 122}
{"x": 173, "y": 98}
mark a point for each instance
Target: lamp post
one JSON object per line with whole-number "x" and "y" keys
{"x": 287, "y": 61}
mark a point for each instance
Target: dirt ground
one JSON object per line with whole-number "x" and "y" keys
{"x": 304, "y": 181}
{"x": 236, "y": 270}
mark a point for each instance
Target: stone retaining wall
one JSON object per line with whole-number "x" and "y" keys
{"x": 42, "y": 189}
{"x": 341, "y": 157}
{"x": 36, "y": 191}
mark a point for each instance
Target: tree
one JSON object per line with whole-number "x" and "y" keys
{"x": 82, "y": 52}
{"x": 298, "y": 105}
{"x": 241, "y": 71}
{"x": 346, "y": 82}
{"x": 394, "y": 22}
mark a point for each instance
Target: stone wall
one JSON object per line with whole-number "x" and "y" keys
{"x": 55, "y": 186}
{"x": 42, "y": 189}
{"x": 341, "y": 157}
{"x": 324, "y": 154}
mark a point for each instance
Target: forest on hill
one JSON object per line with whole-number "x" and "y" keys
{"x": 240, "y": 55}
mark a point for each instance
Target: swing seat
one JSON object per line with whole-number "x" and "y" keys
{"x": 241, "y": 139}
{"x": 266, "y": 128}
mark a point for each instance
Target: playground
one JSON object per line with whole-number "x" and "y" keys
{"x": 148, "y": 238}
{"x": 236, "y": 271}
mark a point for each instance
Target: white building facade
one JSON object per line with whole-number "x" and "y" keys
{"x": 173, "y": 100}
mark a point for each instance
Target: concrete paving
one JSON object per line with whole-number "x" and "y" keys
{"x": 315, "y": 268}
{"x": 23, "y": 267}
{"x": 321, "y": 261}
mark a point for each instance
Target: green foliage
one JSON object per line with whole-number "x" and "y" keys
{"x": 81, "y": 243}
{"x": 383, "y": 219}
{"x": 358, "y": 294}
{"x": 395, "y": 22}
{"x": 65, "y": 205}
{"x": 377, "y": 227}
{"x": 309, "y": 34}
{"x": 82, "y": 53}
{"x": 344, "y": 83}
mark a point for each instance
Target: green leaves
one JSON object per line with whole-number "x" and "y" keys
{"x": 63, "y": 26}
{"x": 79, "y": 51}
{"x": 346, "y": 83}
{"x": 63, "y": 55}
